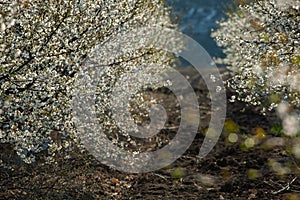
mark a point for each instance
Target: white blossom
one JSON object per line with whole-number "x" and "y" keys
{"x": 262, "y": 44}
{"x": 42, "y": 45}
{"x": 261, "y": 41}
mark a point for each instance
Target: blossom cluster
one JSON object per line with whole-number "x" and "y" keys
{"x": 262, "y": 43}
{"x": 42, "y": 46}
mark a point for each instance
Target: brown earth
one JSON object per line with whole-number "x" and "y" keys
{"x": 230, "y": 171}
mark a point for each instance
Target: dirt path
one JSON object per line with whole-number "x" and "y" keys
{"x": 230, "y": 171}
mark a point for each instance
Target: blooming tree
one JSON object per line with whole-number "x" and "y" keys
{"x": 262, "y": 43}
{"x": 42, "y": 45}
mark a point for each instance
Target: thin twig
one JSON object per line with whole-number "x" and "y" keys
{"x": 171, "y": 127}
{"x": 287, "y": 187}
{"x": 161, "y": 176}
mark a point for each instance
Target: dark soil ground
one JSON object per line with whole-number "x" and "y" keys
{"x": 230, "y": 171}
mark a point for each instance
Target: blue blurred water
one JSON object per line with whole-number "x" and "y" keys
{"x": 196, "y": 18}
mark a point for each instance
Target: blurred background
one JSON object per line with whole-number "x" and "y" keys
{"x": 197, "y": 18}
